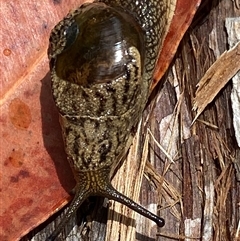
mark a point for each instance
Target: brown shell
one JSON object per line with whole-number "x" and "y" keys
{"x": 32, "y": 154}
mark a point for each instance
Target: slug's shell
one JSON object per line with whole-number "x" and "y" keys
{"x": 98, "y": 82}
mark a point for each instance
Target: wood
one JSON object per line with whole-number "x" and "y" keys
{"x": 198, "y": 193}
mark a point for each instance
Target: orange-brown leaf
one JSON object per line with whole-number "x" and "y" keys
{"x": 34, "y": 175}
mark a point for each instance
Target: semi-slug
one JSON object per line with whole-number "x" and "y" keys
{"x": 102, "y": 59}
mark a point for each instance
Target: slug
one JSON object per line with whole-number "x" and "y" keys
{"x": 102, "y": 59}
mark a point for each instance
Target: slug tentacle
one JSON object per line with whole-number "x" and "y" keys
{"x": 81, "y": 195}
{"x": 97, "y": 183}
{"x": 113, "y": 194}
{"x": 102, "y": 58}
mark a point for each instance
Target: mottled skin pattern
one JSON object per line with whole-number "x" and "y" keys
{"x": 100, "y": 84}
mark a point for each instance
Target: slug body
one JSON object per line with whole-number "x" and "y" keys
{"x": 102, "y": 58}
